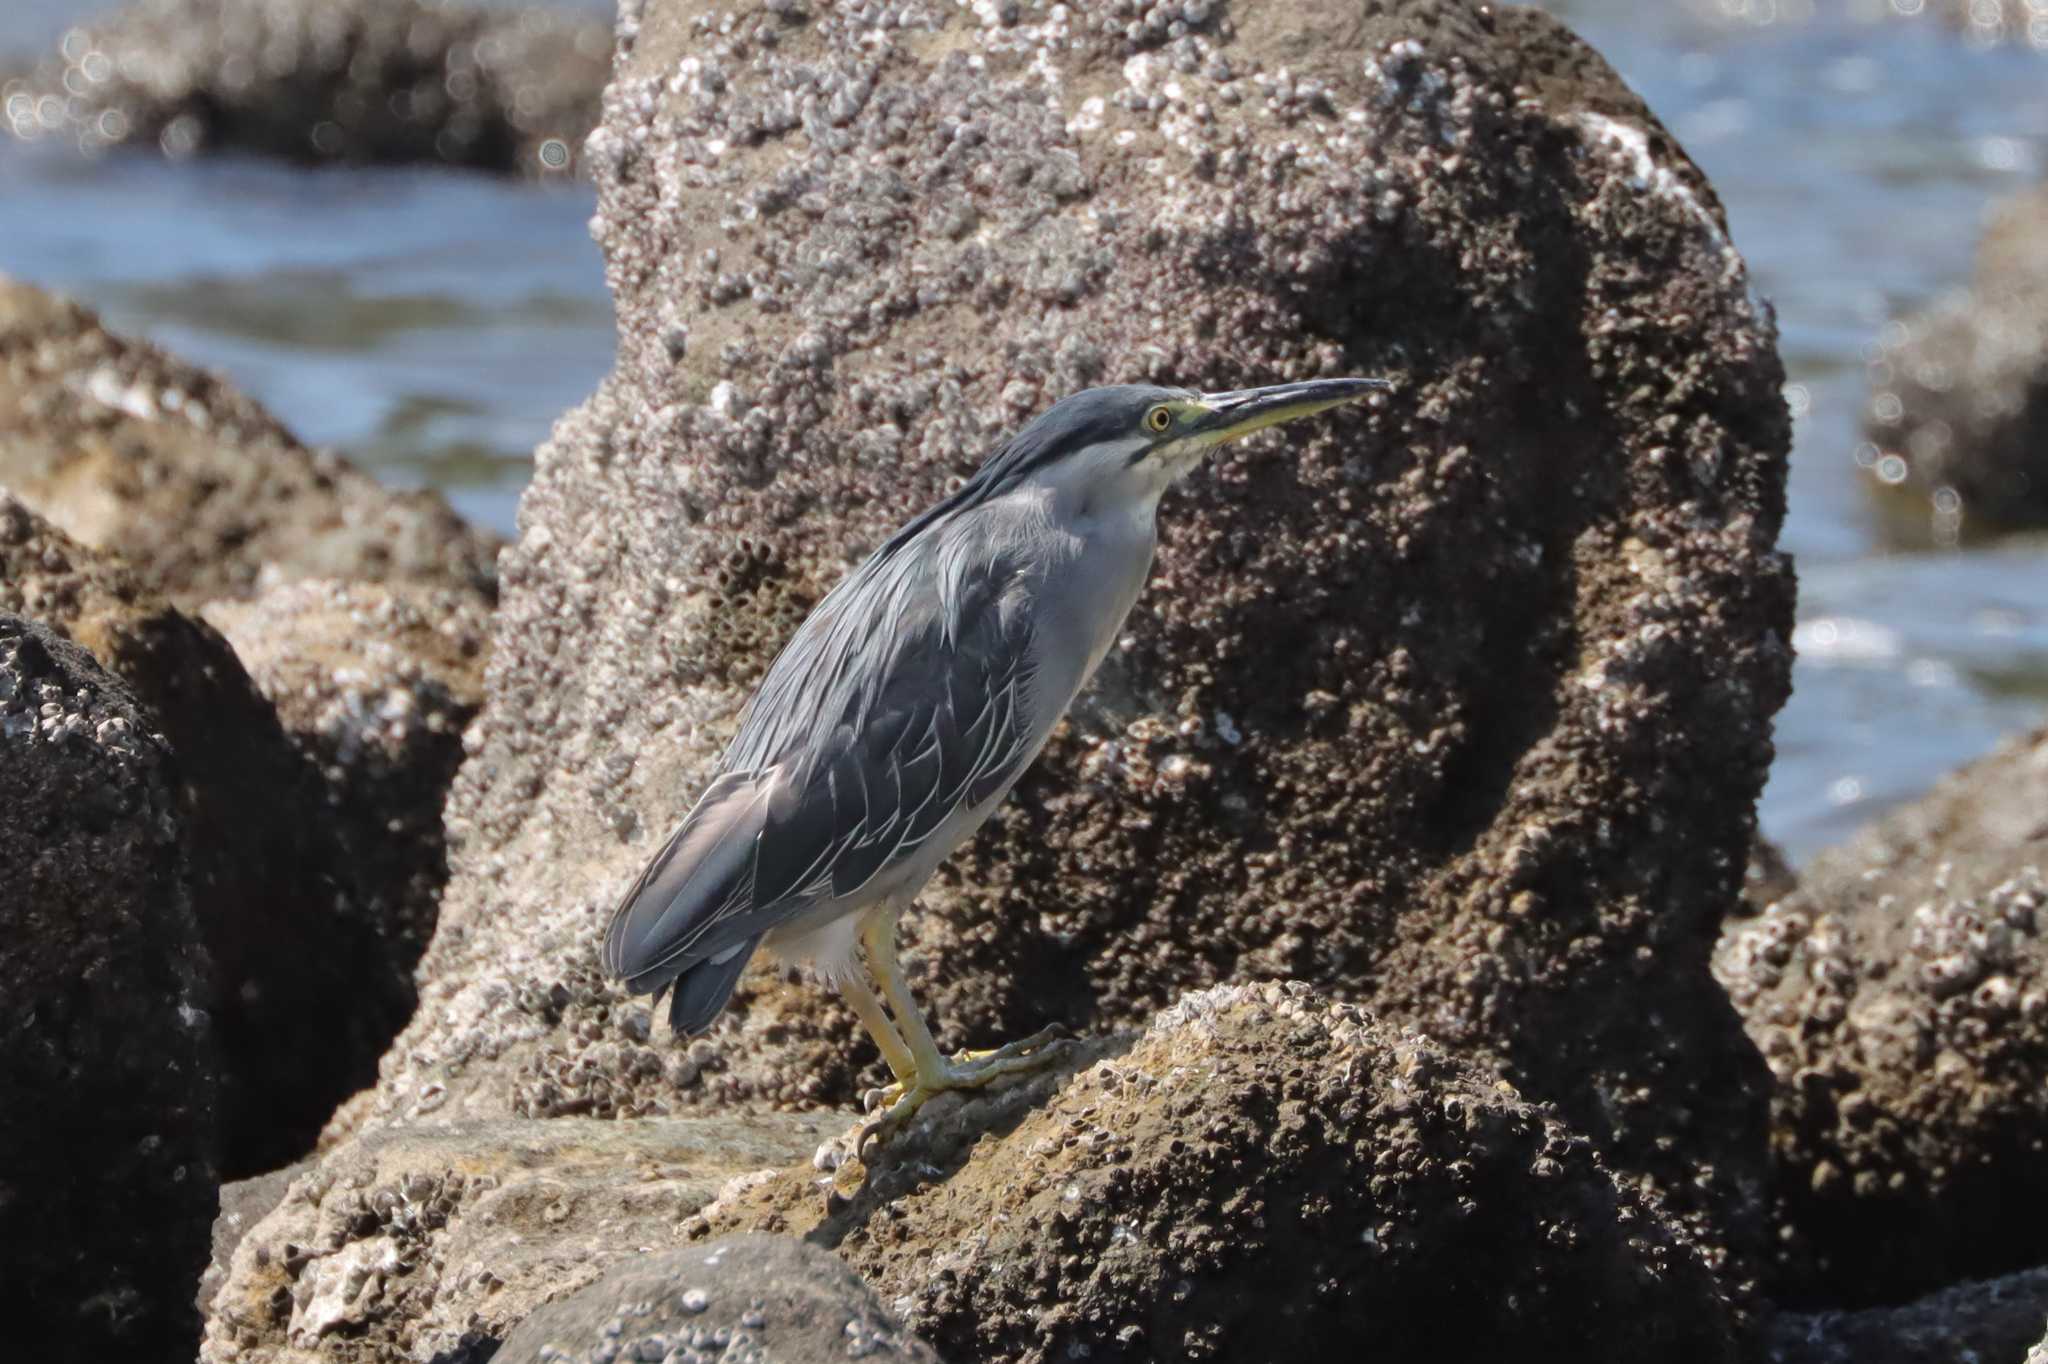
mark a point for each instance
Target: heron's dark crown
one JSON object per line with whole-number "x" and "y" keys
{"x": 1069, "y": 426}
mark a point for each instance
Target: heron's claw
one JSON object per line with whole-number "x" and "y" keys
{"x": 900, "y": 1102}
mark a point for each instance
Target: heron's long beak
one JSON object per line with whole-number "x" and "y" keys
{"x": 1245, "y": 410}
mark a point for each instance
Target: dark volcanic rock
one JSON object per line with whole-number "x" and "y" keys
{"x": 1457, "y": 705}
{"x": 1901, "y": 996}
{"x": 315, "y": 844}
{"x": 192, "y": 483}
{"x": 746, "y": 1297}
{"x": 1261, "y": 1176}
{"x": 1993, "y": 1321}
{"x": 106, "y": 1062}
{"x": 325, "y": 80}
{"x": 1958, "y": 412}
{"x": 433, "y": 1241}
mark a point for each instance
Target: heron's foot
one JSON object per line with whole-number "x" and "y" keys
{"x": 969, "y": 1070}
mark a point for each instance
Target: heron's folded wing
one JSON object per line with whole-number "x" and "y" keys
{"x": 896, "y": 704}
{"x": 940, "y": 725}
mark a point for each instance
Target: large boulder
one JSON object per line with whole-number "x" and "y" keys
{"x": 1458, "y": 705}
{"x": 107, "y": 1068}
{"x": 326, "y": 80}
{"x": 1958, "y": 410}
{"x": 193, "y": 483}
{"x": 746, "y": 1297}
{"x": 1261, "y": 1175}
{"x": 311, "y": 797}
{"x": 431, "y": 1242}
{"x": 1900, "y": 995}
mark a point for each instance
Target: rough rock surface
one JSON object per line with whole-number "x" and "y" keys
{"x": 373, "y": 684}
{"x": 1958, "y": 411}
{"x": 1901, "y": 997}
{"x": 741, "y": 1300}
{"x": 852, "y": 247}
{"x": 430, "y": 1242}
{"x": 315, "y": 844}
{"x": 1992, "y": 1321}
{"x": 106, "y": 1062}
{"x": 192, "y": 483}
{"x": 325, "y": 80}
{"x": 1261, "y": 1175}
{"x": 243, "y": 1203}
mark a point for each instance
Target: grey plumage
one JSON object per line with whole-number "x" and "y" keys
{"x": 911, "y": 699}
{"x": 839, "y": 769}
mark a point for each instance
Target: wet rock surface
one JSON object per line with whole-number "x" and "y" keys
{"x": 1958, "y": 413}
{"x": 1994, "y": 1321}
{"x": 743, "y": 1298}
{"x": 432, "y": 1241}
{"x": 1901, "y": 997}
{"x": 314, "y": 841}
{"x": 848, "y": 255}
{"x": 192, "y": 483}
{"x": 1260, "y": 1175}
{"x": 325, "y": 80}
{"x": 107, "y": 1067}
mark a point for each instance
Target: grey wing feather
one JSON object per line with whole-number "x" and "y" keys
{"x": 900, "y": 701}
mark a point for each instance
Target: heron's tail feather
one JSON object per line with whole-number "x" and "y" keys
{"x": 694, "y": 899}
{"x": 701, "y": 991}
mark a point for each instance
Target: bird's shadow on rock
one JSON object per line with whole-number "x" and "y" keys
{"x": 946, "y": 1134}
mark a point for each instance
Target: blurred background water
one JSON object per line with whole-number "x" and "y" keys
{"x": 432, "y": 324}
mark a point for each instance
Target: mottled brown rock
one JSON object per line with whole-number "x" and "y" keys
{"x": 192, "y": 483}
{"x": 1958, "y": 410}
{"x": 1458, "y": 705}
{"x": 432, "y": 1241}
{"x": 747, "y": 1297}
{"x": 325, "y": 80}
{"x": 1992, "y": 1321}
{"x": 1262, "y": 1175}
{"x": 315, "y": 842}
{"x": 1901, "y": 997}
{"x": 107, "y": 1066}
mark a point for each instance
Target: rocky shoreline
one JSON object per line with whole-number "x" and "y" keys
{"x": 1397, "y": 874}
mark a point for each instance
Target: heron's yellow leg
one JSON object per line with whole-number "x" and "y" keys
{"x": 894, "y": 1053}
{"x": 932, "y": 1073}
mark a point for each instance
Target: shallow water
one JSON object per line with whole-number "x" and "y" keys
{"x": 434, "y": 324}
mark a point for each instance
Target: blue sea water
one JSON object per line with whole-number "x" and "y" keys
{"x": 433, "y": 324}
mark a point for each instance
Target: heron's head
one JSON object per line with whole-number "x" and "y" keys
{"x": 1130, "y": 442}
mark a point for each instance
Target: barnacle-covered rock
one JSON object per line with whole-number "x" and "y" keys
{"x": 1261, "y": 1175}
{"x": 433, "y": 1241}
{"x": 1457, "y": 704}
{"x": 747, "y": 1297}
{"x": 107, "y": 1064}
{"x": 373, "y": 683}
{"x": 191, "y": 482}
{"x": 1901, "y": 996}
{"x": 324, "y": 80}
{"x": 310, "y": 796}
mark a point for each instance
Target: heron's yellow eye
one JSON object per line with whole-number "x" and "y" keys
{"x": 1159, "y": 418}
